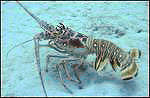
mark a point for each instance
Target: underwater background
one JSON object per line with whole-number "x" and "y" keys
{"x": 123, "y": 23}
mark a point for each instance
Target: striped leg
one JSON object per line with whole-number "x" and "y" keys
{"x": 61, "y": 79}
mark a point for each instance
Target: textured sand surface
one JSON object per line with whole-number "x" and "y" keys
{"x": 124, "y": 23}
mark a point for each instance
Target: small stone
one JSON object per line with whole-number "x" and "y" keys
{"x": 95, "y": 28}
{"x": 139, "y": 31}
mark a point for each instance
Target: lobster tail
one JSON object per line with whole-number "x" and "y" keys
{"x": 107, "y": 51}
{"x": 132, "y": 70}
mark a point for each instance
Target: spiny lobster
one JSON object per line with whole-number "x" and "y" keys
{"x": 77, "y": 46}
{"x": 58, "y": 37}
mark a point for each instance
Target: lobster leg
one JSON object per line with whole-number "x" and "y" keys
{"x": 61, "y": 79}
{"x": 64, "y": 61}
{"x": 36, "y": 41}
{"x": 75, "y": 68}
{"x": 48, "y": 58}
{"x": 67, "y": 72}
{"x": 63, "y": 64}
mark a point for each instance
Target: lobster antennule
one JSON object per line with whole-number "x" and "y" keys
{"x": 15, "y": 47}
{"x": 18, "y": 46}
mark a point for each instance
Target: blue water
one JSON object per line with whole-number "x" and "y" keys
{"x": 124, "y": 23}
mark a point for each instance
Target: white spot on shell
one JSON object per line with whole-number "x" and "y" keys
{"x": 95, "y": 45}
{"x": 64, "y": 44}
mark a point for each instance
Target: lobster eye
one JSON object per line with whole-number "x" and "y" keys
{"x": 64, "y": 44}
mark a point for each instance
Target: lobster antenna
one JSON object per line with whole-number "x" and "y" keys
{"x": 44, "y": 25}
{"x": 33, "y": 16}
{"x": 17, "y": 46}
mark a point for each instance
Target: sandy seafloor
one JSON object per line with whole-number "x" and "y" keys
{"x": 124, "y": 23}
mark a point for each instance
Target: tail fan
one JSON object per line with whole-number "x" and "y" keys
{"x": 132, "y": 70}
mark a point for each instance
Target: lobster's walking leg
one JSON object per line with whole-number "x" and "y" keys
{"x": 36, "y": 41}
{"x": 47, "y": 62}
{"x": 61, "y": 79}
{"x": 76, "y": 72}
{"x": 66, "y": 70}
{"x": 63, "y": 63}
{"x": 48, "y": 59}
{"x": 76, "y": 68}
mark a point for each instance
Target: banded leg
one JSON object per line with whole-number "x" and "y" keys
{"x": 75, "y": 68}
{"x": 61, "y": 79}
{"x": 48, "y": 59}
{"x": 64, "y": 62}
{"x": 67, "y": 72}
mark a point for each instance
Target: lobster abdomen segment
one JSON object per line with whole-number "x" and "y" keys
{"x": 107, "y": 51}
